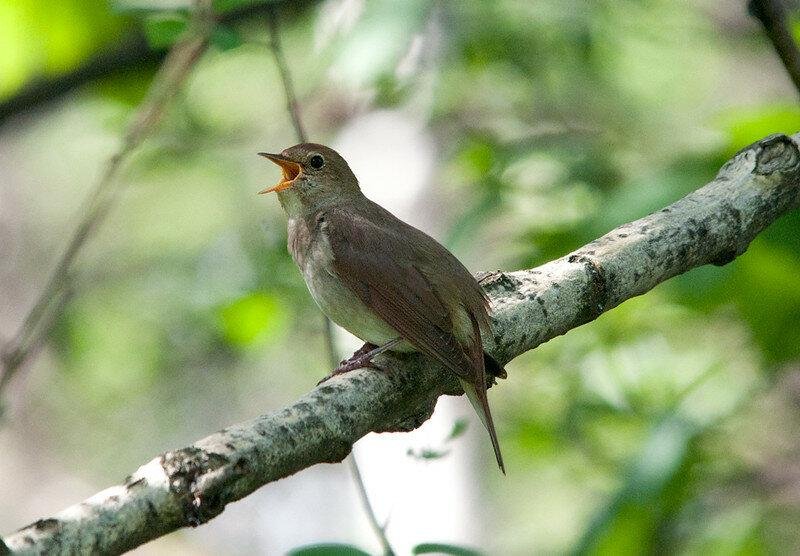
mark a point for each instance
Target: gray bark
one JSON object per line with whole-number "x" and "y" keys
{"x": 190, "y": 486}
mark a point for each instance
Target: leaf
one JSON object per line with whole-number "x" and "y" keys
{"x": 134, "y": 7}
{"x": 162, "y": 30}
{"x": 427, "y": 453}
{"x": 251, "y": 318}
{"x": 629, "y": 519}
{"x": 459, "y": 428}
{"x": 222, "y": 6}
{"x": 477, "y": 158}
{"x": 439, "y": 548}
{"x": 226, "y": 38}
{"x": 744, "y": 126}
{"x": 327, "y": 549}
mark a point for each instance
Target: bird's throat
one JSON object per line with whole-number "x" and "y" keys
{"x": 291, "y": 202}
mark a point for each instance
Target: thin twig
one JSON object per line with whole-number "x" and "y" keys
{"x": 168, "y": 80}
{"x": 330, "y": 344}
{"x": 286, "y": 77}
{"x": 380, "y": 530}
{"x": 772, "y": 15}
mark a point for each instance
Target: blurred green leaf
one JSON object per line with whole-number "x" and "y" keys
{"x": 426, "y": 453}
{"x": 327, "y": 549}
{"x": 440, "y": 548}
{"x": 251, "y": 318}
{"x": 226, "y": 38}
{"x": 459, "y": 428}
{"x": 46, "y": 39}
{"x": 625, "y": 525}
{"x": 149, "y": 6}
{"x": 222, "y": 6}
{"x": 379, "y": 40}
{"x": 478, "y": 158}
{"x": 111, "y": 348}
{"x": 744, "y": 126}
{"x": 162, "y": 30}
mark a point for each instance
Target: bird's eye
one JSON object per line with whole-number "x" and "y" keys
{"x": 316, "y": 161}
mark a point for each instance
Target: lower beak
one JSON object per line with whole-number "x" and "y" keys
{"x": 290, "y": 170}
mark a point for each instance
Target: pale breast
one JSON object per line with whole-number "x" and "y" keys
{"x": 335, "y": 299}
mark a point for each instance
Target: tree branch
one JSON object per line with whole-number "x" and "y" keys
{"x": 190, "y": 486}
{"x": 772, "y": 15}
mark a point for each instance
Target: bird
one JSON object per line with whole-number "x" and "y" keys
{"x": 383, "y": 280}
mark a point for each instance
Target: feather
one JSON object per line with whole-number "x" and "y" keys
{"x": 418, "y": 288}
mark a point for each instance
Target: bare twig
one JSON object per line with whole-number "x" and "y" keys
{"x": 772, "y": 15}
{"x": 293, "y": 108}
{"x": 377, "y": 528}
{"x": 167, "y": 82}
{"x": 286, "y": 76}
{"x": 186, "y": 487}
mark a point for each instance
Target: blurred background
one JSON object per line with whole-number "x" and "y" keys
{"x": 513, "y": 132}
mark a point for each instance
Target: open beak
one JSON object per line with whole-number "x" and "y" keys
{"x": 290, "y": 170}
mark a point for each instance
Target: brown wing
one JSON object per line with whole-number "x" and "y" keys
{"x": 419, "y": 288}
{"x": 410, "y": 281}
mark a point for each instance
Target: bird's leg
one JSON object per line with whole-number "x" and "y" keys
{"x": 362, "y": 358}
{"x": 363, "y": 350}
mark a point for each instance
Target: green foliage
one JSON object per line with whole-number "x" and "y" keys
{"x": 226, "y": 38}
{"x": 43, "y": 39}
{"x": 745, "y": 126}
{"x": 254, "y": 317}
{"x": 222, "y": 6}
{"x": 148, "y": 7}
{"x": 459, "y": 428}
{"x": 164, "y": 29}
{"x": 328, "y": 549}
{"x": 439, "y": 548}
{"x": 548, "y": 123}
{"x": 427, "y": 453}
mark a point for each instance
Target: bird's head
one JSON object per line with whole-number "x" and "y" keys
{"x": 313, "y": 174}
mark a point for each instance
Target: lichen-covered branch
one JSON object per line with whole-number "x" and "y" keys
{"x": 192, "y": 485}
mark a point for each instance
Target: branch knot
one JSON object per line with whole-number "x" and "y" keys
{"x": 598, "y": 296}
{"x": 184, "y": 468}
{"x": 776, "y": 153}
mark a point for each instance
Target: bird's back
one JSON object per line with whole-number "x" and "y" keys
{"x": 448, "y": 277}
{"x": 419, "y": 288}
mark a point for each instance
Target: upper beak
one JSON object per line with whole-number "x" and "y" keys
{"x": 290, "y": 168}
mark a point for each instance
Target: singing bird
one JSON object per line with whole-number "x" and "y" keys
{"x": 381, "y": 279}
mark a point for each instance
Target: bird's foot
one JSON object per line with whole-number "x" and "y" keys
{"x": 360, "y": 352}
{"x": 361, "y": 359}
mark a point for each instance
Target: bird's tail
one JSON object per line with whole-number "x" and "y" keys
{"x": 480, "y": 402}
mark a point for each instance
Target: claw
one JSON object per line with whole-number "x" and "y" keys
{"x": 361, "y": 359}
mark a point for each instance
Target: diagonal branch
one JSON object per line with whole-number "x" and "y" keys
{"x": 772, "y": 15}
{"x": 167, "y": 82}
{"x": 192, "y": 485}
